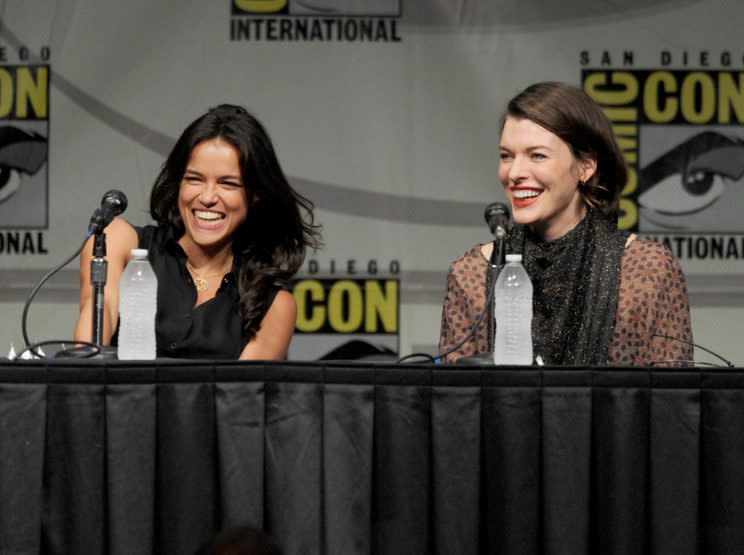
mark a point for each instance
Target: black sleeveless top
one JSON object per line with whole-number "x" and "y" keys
{"x": 212, "y": 330}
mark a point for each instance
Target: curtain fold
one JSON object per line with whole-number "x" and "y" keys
{"x": 131, "y": 416}
{"x": 186, "y": 500}
{"x": 723, "y": 471}
{"x": 456, "y": 469}
{"x": 22, "y": 439}
{"x": 240, "y": 430}
{"x": 620, "y": 445}
{"x": 293, "y": 465}
{"x": 348, "y": 431}
{"x": 566, "y": 470}
{"x": 401, "y": 496}
{"x": 74, "y": 519}
{"x": 512, "y": 470}
{"x": 372, "y": 460}
{"x": 674, "y": 473}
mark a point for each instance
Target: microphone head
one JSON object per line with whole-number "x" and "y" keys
{"x": 115, "y": 201}
{"x": 497, "y": 215}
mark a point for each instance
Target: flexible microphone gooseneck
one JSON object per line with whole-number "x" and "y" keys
{"x": 24, "y": 318}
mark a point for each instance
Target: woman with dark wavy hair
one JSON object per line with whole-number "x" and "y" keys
{"x": 230, "y": 233}
{"x": 601, "y": 295}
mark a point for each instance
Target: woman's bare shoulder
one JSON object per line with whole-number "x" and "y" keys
{"x": 121, "y": 238}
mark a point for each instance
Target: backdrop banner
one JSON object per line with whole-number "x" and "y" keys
{"x": 385, "y": 113}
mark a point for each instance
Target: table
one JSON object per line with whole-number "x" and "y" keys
{"x": 342, "y": 458}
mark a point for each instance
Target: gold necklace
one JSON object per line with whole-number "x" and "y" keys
{"x": 200, "y": 282}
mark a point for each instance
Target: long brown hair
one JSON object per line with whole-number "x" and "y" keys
{"x": 569, "y": 113}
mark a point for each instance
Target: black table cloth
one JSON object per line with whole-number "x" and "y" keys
{"x": 130, "y": 458}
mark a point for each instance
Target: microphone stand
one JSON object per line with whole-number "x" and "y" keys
{"x": 495, "y": 265}
{"x": 498, "y": 255}
{"x": 98, "y": 272}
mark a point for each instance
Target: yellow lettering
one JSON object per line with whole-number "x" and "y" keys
{"x": 632, "y": 184}
{"x": 702, "y": 111}
{"x": 618, "y": 94}
{"x": 384, "y": 305}
{"x": 627, "y": 140}
{"x": 628, "y": 214}
{"x": 312, "y": 289}
{"x": 625, "y": 130}
{"x": 652, "y": 97}
{"x": 30, "y": 90}
{"x": 730, "y": 95}
{"x": 621, "y": 114}
{"x": 627, "y": 143}
{"x": 345, "y": 290}
{"x": 6, "y": 92}
{"x": 614, "y": 97}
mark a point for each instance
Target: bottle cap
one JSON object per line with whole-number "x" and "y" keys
{"x": 139, "y": 253}
{"x": 514, "y": 258}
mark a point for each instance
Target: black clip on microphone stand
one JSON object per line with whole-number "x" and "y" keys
{"x": 98, "y": 273}
{"x": 498, "y": 258}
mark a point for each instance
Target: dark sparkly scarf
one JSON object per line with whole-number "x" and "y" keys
{"x": 575, "y": 280}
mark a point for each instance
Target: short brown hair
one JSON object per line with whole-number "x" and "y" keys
{"x": 569, "y": 113}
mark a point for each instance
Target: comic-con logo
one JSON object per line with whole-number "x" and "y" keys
{"x": 347, "y": 318}
{"x": 368, "y": 306}
{"x": 315, "y": 20}
{"x": 24, "y": 128}
{"x": 682, "y": 133}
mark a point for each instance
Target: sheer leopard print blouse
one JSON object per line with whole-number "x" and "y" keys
{"x": 652, "y": 299}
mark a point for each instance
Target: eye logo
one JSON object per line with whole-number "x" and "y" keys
{"x": 22, "y": 153}
{"x": 681, "y": 132}
{"x": 697, "y": 177}
{"x": 24, "y": 132}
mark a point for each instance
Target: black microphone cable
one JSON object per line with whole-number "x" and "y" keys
{"x": 728, "y": 363}
{"x": 497, "y": 219}
{"x": 473, "y": 329}
{"x": 24, "y": 324}
{"x": 94, "y": 349}
{"x": 113, "y": 203}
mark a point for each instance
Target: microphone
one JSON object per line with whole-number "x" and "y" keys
{"x": 113, "y": 203}
{"x": 497, "y": 218}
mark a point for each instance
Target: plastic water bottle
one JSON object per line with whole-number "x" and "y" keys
{"x": 513, "y": 312}
{"x": 138, "y": 291}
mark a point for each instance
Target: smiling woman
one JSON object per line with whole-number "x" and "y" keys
{"x": 601, "y": 295}
{"x": 230, "y": 233}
